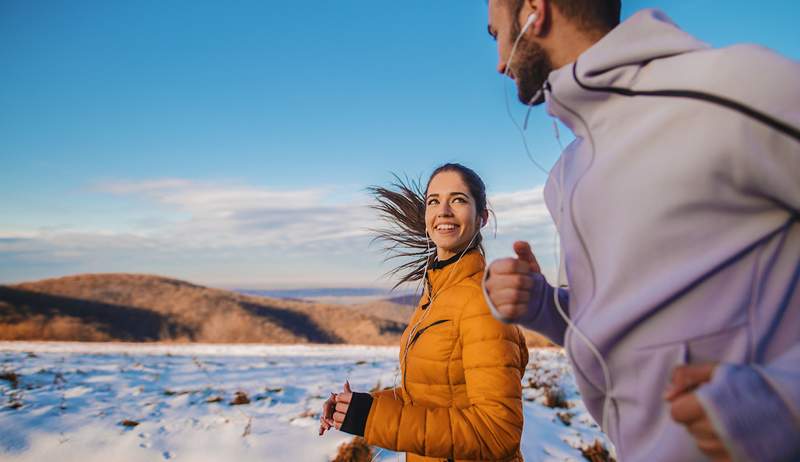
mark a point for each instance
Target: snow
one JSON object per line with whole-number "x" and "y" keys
{"x": 75, "y": 396}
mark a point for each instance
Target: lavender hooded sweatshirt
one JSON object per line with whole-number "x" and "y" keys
{"x": 679, "y": 227}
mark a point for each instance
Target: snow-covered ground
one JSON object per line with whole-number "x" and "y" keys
{"x": 69, "y": 402}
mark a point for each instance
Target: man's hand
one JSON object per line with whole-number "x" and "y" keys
{"x": 685, "y": 409}
{"x": 509, "y": 284}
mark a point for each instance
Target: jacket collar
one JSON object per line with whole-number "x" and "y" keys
{"x": 645, "y": 36}
{"x": 454, "y": 270}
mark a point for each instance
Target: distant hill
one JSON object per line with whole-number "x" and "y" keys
{"x": 336, "y": 296}
{"x": 133, "y": 307}
{"x": 145, "y": 308}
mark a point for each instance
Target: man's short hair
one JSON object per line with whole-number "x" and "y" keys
{"x": 600, "y": 15}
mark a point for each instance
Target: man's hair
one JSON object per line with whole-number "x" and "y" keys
{"x": 597, "y": 15}
{"x": 594, "y": 14}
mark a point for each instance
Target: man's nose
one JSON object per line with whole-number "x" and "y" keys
{"x": 503, "y": 68}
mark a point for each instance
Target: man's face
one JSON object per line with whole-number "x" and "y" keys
{"x": 530, "y": 65}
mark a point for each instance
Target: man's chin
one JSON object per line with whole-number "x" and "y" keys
{"x": 530, "y": 95}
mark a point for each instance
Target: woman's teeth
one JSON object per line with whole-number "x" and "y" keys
{"x": 447, "y": 227}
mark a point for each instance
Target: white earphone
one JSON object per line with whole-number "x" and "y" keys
{"x": 531, "y": 19}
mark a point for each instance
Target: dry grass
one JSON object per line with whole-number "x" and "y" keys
{"x": 131, "y": 307}
{"x": 356, "y": 450}
{"x": 596, "y": 453}
{"x": 11, "y": 377}
{"x": 536, "y": 340}
{"x": 554, "y": 398}
{"x": 58, "y": 328}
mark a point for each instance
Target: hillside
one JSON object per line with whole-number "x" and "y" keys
{"x": 146, "y": 308}
{"x": 132, "y": 307}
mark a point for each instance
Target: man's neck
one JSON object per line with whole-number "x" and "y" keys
{"x": 567, "y": 43}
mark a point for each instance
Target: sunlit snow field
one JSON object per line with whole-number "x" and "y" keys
{"x": 71, "y": 402}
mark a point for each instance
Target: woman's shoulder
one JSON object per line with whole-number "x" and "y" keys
{"x": 468, "y": 295}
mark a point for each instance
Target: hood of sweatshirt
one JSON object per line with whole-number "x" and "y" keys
{"x": 645, "y": 36}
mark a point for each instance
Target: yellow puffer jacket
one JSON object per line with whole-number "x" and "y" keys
{"x": 460, "y": 397}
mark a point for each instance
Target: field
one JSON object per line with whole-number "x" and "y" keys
{"x": 147, "y": 402}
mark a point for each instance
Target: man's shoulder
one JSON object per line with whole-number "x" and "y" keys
{"x": 738, "y": 69}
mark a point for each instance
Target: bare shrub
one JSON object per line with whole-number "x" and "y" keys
{"x": 240, "y": 398}
{"x": 565, "y": 418}
{"x": 554, "y": 397}
{"x": 356, "y": 450}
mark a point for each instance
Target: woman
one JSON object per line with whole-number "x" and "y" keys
{"x": 460, "y": 395}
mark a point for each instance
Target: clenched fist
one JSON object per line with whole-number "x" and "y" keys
{"x": 510, "y": 282}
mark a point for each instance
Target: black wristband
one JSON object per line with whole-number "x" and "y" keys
{"x": 355, "y": 421}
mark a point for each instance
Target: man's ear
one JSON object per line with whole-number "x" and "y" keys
{"x": 541, "y": 9}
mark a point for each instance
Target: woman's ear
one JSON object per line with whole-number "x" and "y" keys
{"x": 484, "y": 218}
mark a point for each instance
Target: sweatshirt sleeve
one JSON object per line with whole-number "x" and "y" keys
{"x": 489, "y": 428}
{"x": 542, "y": 315}
{"x": 756, "y": 408}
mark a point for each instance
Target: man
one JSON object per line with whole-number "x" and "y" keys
{"x": 677, "y": 207}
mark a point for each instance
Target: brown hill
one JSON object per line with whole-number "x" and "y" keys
{"x": 132, "y": 307}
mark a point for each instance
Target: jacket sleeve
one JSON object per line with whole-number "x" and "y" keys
{"x": 542, "y": 315}
{"x": 756, "y": 408}
{"x": 489, "y": 428}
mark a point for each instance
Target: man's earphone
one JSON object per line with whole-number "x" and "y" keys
{"x": 531, "y": 19}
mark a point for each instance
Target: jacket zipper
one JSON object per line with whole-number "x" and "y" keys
{"x": 419, "y": 332}
{"x": 413, "y": 340}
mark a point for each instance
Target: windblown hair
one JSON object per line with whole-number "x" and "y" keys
{"x": 401, "y": 206}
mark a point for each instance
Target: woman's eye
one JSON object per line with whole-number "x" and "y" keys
{"x": 459, "y": 199}
{"x": 433, "y": 202}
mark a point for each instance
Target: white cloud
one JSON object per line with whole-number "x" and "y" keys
{"x": 211, "y": 223}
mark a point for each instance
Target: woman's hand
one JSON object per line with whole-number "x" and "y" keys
{"x": 334, "y": 410}
{"x": 342, "y": 405}
{"x": 687, "y": 411}
{"x": 326, "y": 418}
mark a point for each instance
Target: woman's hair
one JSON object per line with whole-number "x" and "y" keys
{"x": 402, "y": 208}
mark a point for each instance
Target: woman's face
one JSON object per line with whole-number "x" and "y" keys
{"x": 450, "y": 214}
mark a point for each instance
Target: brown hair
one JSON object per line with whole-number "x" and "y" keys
{"x": 599, "y": 15}
{"x": 401, "y": 207}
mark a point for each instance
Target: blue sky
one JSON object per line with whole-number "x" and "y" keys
{"x": 230, "y": 143}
